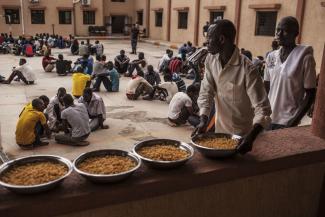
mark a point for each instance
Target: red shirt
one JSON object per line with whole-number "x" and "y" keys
{"x": 46, "y": 61}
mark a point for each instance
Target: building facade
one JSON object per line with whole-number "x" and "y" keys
{"x": 176, "y": 21}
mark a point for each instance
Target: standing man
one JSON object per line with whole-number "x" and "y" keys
{"x": 236, "y": 88}
{"x": 134, "y": 38}
{"x": 290, "y": 77}
{"x": 205, "y": 29}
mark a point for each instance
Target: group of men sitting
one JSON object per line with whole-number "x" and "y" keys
{"x": 71, "y": 121}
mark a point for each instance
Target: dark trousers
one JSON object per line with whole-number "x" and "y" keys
{"x": 20, "y": 76}
{"x": 134, "y": 43}
{"x": 133, "y": 67}
{"x": 277, "y": 127}
{"x": 141, "y": 89}
{"x": 107, "y": 83}
{"x": 182, "y": 118}
{"x": 121, "y": 68}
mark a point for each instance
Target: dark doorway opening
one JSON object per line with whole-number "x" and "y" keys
{"x": 118, "y": 24}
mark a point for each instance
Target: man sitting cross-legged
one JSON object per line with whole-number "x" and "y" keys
{"x": 96, "y": 109}
{"x": 121, "y": 62}
{"x": 30, "y": 126}
{"x": 24, "y": 72}
{"x": 138, "y": 86}
{"x": 54, "y": 110}
{"x": 76, "y": 117}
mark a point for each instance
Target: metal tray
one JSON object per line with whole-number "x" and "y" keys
{"x": 102, "y": 178}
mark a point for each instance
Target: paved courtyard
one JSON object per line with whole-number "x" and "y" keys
{"x": 129, "y": 121}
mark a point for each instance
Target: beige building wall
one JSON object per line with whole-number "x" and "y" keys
{"x": 140, "y": 5}
{"x": 229, "y": 13}
{"x": 313, "y": 29}
{"x": 182, "y": 35}
{"x": 158, "y": 33}
{"x": 259, "y": 45}
{"x": 14, "y": 28}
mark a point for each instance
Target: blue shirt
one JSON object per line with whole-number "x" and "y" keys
{"x": 115, "y": 79}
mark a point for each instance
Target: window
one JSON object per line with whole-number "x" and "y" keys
{"x": 182, "y": 20}
{"x": 140, "y": 17}
{"x": 159, "y": 18}
{"x": 65, "y": 17}
{"x": 89, "y": 17}
{"x": 265, "y": 23}
{"x": 12, "y": 16}
{"x": 216, "y": 15}
{"x": 38, "y": 16}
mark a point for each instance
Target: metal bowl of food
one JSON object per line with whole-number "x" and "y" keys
{"x": 216, "y": 145}
{"x": 34, "y": 174}
{"x": 163, "y": 153}
{"x": 106, "y": 166}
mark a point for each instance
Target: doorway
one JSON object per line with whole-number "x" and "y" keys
{"x": 118, "y": 24}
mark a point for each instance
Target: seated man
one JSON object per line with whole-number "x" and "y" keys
{"x": 114, "y": 76}
{"x": 138, "y": 86}
{"x": 29, "y": 52}
{"x": 137, "y": 64}
{"x": 63, "y": 67}
{"x": 170, "y": 87}
{"x": 121, "y": 62}
{"x": 54, "y": 110}
{"x": 96, "y": 109}
{"x": 80, "y": 81}
{"x": 152, "y": 77}
{"x": 76, "y": 117}
{"x": 24, "y": 72}
{"x": 48, "y": 63}
{"x": 83, "y": 49}
{"x": 30, "y": 126}
{"x": 181, "y": 106}
{"x": 100, "y": 75}
{"x": 164, "y": 61}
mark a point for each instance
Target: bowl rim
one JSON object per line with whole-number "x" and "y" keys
{"x": 183, "y": 144}
{"x": 60, "y": 159}
{"x": 214, "y": 149}
{"x": 129, "y": 154}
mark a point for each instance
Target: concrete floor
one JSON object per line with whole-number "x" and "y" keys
{"x": 129, "y": 121}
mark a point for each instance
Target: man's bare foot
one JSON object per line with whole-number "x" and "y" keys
{"x": 6, "y": 82}
{"x": 171, "y": 123}
{"x": 104, "y": 127}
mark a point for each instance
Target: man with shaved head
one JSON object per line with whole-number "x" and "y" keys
{"x": 290, "y": 76}
{"x": 235, "y": 86}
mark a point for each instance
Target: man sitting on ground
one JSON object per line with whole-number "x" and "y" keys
{"x": 169, "y": 86}
{"x": 152, "y": 76}
{"x": 96, "y": 109}
{"x": 24, "y": 72}
{"x": 164, "y": 61}
{"x": 63, "y": 67}
{"x": 48, "y": 63}
{"x": 114, "y": 76}
{"x": 100, "y": 75}
{"x": 30, "y": 126}
{"x": 76, "y": 117}
{"x": 121, "y": 62}
{"x": 54, "y": 110}
{"x": 99, "y": 48}
{"x": 83, "y": 49}
{"x": 138, "y": 86}
{"x": 80, "y": 81}
{"x": 138, "y": 64}
{"x": 181, "y": 106}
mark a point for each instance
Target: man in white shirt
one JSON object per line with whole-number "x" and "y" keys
{"x": 290, "y": 77}
{"x": 235, "y": 86}
{"x": 54, "y": 110}
{"x": 138, "y": 86}
{"x": 181, "y": 106}
{"x": 23, "y": 72}
{"x": 75, "y": 115}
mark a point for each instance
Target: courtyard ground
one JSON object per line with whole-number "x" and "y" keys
{"x": 129, "y": 121}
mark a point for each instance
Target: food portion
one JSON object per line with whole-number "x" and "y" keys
{"x": 34, "y": 173}
{"x": 106, "y": 165}
{"x": 163, "y": 152}
{"x": 218, "y": 143}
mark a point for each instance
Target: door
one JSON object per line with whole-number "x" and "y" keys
{"x": 118, "y": 24}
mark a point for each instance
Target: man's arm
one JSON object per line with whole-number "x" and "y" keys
{"x": 267, "y": 86}
{"x": 101, "y": 122}
{"x": 262, "y": 109}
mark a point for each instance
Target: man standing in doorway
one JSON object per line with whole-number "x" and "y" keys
{"x": 234, "y": 85}
{"x": 290, "y": 77}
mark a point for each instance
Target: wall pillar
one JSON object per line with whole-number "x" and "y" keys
{"x": 169, "y": 14}
{"x": 197, "y": 22}
{"x": 237, "y": 19}
{"x": 318, "y": 123}
{"x": 148, "y": 18}
{"x": 300, "y": 17}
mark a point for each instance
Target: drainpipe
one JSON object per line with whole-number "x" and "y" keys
{"x": 300, "y": 12}
{"x": 74, "y": 18}
{"x": 169, "y": 11}
{"x": 22, "y": 16}
{"x": 197, "y": 22}
{"x": 237, "y": 19}
{"x": 148, "y": 18}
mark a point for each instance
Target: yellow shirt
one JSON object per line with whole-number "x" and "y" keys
{"x": 79, "y": 81}
{"x": 25, "y": 130}
{"x": 26, "y": 107}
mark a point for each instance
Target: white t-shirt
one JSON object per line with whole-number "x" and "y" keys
{"x": 134, "y": 83}
{"x": 288, "y": 81}
{"x": 171, "y": 88}
{"x": 27, "y": 72}
{"x": 177, "y": 103}
{"x": 78, "y": 118}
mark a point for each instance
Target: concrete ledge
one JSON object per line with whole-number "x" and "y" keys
{"x": 283, "y": 150}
